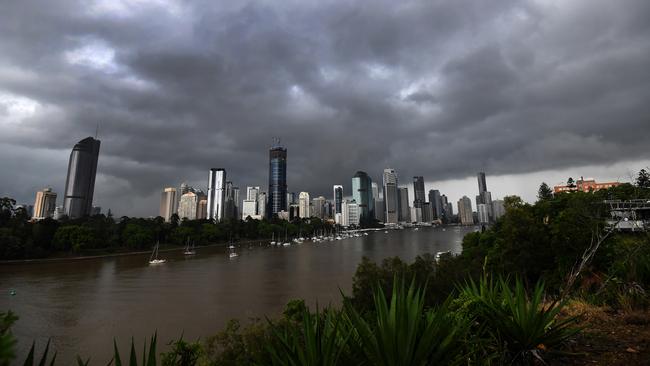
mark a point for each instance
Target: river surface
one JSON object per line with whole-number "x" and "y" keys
{"x": 83, "y": 305}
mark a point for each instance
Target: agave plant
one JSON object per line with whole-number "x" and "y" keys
{"x": 147, "y": 359}
{"x": 524, "y": 326}
{"x": 318, "y": 340}
{"x": 402, "y": 332}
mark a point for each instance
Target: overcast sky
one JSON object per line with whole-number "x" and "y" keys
{"x": 527, "y": 91}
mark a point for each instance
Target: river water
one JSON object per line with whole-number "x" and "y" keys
{"x": 83, "y": 305}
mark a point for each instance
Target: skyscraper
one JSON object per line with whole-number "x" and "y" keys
{"x": 404, "y": 212}
{"x": 436, "y": 204}
{"x": 482, "y": 187}
{"x": 188, "y": 207}
{"x": 465, "y": 214}
{"x": 252, "y": 192}
{"x": 362, "y": 194}
{"x": 45, "y": 204}
{"x": 390, "y": 195}
{"x": 80, "y": 182}
{"x": 303, "y": 205}
{"x": 261, "y": 204}
{"x": 277, "y": 180}
{"x": 418, "y": 191}
{"x": 168, "y": 203}
{"x": 318, "y": 207}
{"x": 216, "y": 194}
{"x": 338, "y": 198}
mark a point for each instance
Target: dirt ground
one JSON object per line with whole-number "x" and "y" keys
{"x": 609, "y": 338}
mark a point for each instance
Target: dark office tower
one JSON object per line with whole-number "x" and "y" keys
{"x": 362, "y": 194}
{"x": 436, "y": 204}
{"x": 482, "y": 187}
{"x": 404, "y": 211}
{"x": 338, "y": 198}
{"x": 80, "y": 183}
{"x": 277, "y": 198}
{"x": 390, "y": 196}
{"x": 418, "y": 190}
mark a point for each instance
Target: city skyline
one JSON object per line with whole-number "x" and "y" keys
{"x": 441, "y": 90}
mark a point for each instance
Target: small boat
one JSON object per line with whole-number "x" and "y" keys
{"x": 231, "y": 246}
{"x": 12, "y": 292}
{"x": 189, "y": 250}
{"x": 386, "y": 232}
{"x": 365, "y": 234}
{"x": 154, "y": 255}
{"x": 233, "y": 255}
{"x": 440, "y": 254}
{"x": 286, "y": 240}
{"x": 416, "y": 229}
{"x": 273, "y": 239}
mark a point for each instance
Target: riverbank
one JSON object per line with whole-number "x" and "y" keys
{"x": 164, "y": 248}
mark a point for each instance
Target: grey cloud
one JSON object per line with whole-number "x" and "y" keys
{"x": 434, "y": 88}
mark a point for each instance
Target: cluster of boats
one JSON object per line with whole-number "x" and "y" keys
{"x": 316, "y": 238}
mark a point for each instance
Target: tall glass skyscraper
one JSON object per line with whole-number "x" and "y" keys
{"x": 362, "y": 194}
{"x": 482, "y": 187}
{"x": 277, "y": 199}
{"x": 390, "y": 196}
{"x": 216, "y": 194}
{"x": 80, "y": 183}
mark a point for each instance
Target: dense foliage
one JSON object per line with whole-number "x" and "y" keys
{"x": 21, "y": 238}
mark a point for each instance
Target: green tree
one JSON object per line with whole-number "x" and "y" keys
{"x": 511, "y": 202}
{"x": 643, "y": 179}
{"x": 570, "y": 183}
{"x": 544, "y": 192}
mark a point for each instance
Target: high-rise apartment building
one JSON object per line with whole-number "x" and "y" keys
{"x": 483, "y": 213}
{"x": 202, "y": 211}
{"x": 380, "y": 210}
{"x": 362, "y": 194}
{"x": 277, "y": 195}
{"x": 404, "y": 211}
{"x": 168, "y": 203}
{"x": 318, "y": 207}
{"x": 252, "y": 192}
{"x": 498, "y": 209}
{"x": 216, "y": 194}
{"x": 261, "y": 204}
{"x": 303, "y": 205}
{"x": 465, "y": 214}
{"x": 390, "y": 196}
{"x": 188, "y": 207}
{"x": 80, "y": 181}
{"x": 249, "y": 208}
{"x": 45, "y": 204}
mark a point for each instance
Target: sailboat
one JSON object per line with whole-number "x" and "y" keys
{"x": 273, "y": 239}
{"x": 189, "y": 250}
{"x": 154, "y": 255}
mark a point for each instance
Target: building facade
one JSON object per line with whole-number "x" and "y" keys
{"x": 168, "y": 203}
{"x": 404, "y": 211}
{"x": 277, "y": 195}
{"x": 362, "y": 195}
{"x": 45, "y": 204}
{"x": 216, "y": 194}
{"x": 437, "y": 207}
{"x": 418, "y": 191}
{"x": 188, "y": 207}
{"x": 303, "y": 205}
{"x": 390, "y": 196}
{"x": 585, "y": 185}
{"x": 465, "y": 214}
{"x": 80, "y": 181}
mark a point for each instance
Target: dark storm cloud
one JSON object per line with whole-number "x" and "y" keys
{"x": 434, "y": 88}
